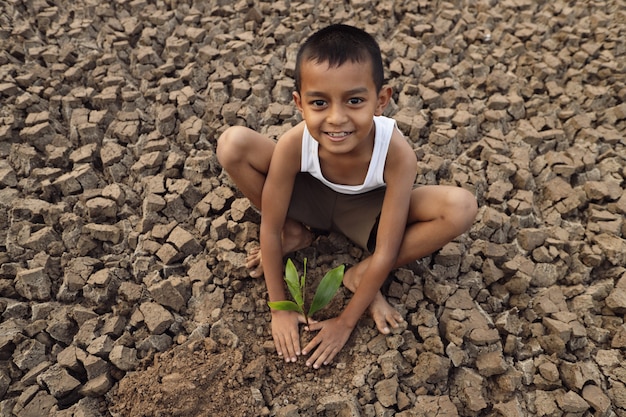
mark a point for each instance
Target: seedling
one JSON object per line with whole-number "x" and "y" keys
{"x": 325, "y": 291}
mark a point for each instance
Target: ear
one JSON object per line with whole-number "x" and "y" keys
{"x": 384, "y": 96}
{"x": 298, "y": 100}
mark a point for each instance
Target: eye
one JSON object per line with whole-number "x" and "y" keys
{"x": 355, "y": 101}
{"x": 318, "y": 103}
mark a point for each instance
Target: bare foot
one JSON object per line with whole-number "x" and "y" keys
{"x": 295, "y": 237}
{"x": 382, "y": 312}
{"x": 253, "y": 263}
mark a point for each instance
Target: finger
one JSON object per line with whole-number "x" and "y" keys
{"x": 322, "y": 356}
{"x": 284, "y": 347}
{"x": 278, "y": 344}
{"x": 295, "y": 343}
{"x": 311, "y": 346}
{"x": 292, "y": 346}
{"x": 314, "y": 326}
{"x": 326, "y": 357}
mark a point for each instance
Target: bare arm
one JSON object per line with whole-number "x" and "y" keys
{"x": 276, "y": 195}
{"x": 400, "y": 170}
{"x": 277, "y": 190}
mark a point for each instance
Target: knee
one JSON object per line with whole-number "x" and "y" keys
{"x": 463, "y": 208}
{"x": 230, "y": 145}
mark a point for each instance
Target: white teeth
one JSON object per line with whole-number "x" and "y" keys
{"x": 337, "y": 135}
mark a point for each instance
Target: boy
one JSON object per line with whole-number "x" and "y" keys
{"x": 345, "y": 168}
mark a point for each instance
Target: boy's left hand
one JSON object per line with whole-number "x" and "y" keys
{"x": 333, "y": 335}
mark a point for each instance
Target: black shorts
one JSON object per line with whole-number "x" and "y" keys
{"x": 353, "y": 215}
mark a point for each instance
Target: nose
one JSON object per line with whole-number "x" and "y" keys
{"x": 336, "y": 115}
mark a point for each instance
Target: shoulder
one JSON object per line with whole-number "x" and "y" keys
{"x": 398, "y": 142}
{"x": 401, "y": 156}
{"x": 288, "y": 149}
{"x": 293, "y": 136}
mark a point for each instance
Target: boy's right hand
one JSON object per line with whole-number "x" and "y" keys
{"x": 286, "y": 333}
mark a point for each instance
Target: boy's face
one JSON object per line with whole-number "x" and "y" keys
{"x": 339, "y": 103}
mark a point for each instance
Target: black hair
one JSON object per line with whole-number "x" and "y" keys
{"x": 337, "y": 44}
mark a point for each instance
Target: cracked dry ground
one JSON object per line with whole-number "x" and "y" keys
{"x": 123, "y": 290}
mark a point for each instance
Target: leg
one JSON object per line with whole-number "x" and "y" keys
{"x": 246, "y": 155}
{"x": 437, "y": 214}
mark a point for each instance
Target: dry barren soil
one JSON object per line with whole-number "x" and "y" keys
{"x": 123, "y": 287}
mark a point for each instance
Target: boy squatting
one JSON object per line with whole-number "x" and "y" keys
{"x": 344, "y": 168}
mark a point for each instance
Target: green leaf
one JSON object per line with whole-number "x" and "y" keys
{"x": 285, "y": 305}
{"x": 293, "y": 283}
{"x": 303, "y": 278}
{"x": 327, "y": 289}
{"x": 296, "y": 294}
{"x": 291, "y": 273}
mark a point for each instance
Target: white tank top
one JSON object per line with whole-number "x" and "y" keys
{"x": 374, "y": 179}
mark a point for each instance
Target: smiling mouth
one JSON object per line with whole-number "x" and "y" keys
{"x": 338, "y": 135}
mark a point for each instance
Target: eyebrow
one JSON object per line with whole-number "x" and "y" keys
{"x": 360, "y": 90}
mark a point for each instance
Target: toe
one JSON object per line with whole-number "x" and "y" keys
{"x": 256, "y": 272}
{"x": 381, "y": 323}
